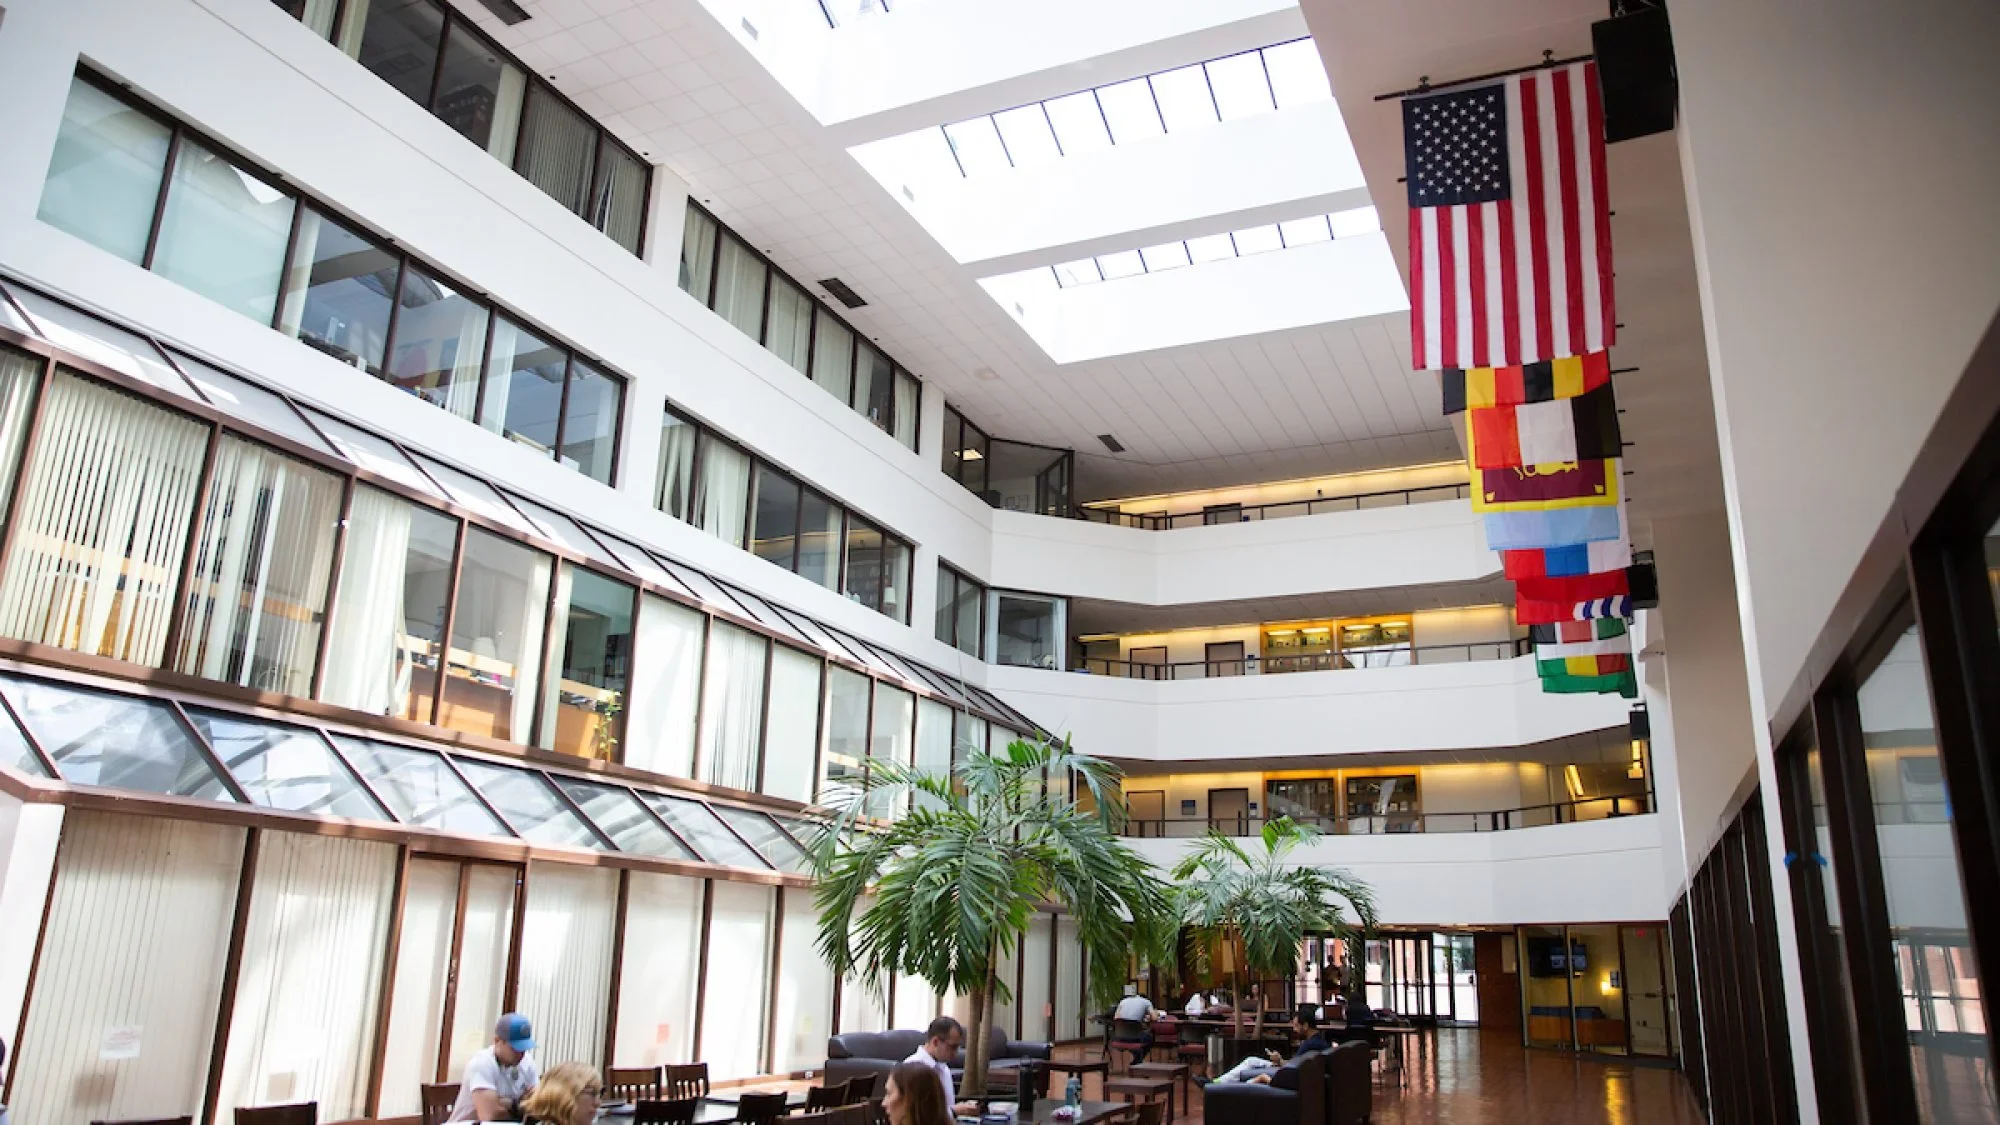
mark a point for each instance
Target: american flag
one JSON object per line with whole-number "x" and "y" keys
{"x": 1510, "y": 232}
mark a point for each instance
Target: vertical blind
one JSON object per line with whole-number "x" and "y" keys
{"x": 566, "y": 958}
{"x": 803, "y": 1008}
{"x": 1069, "y": 980}
{"x": 483, "y": 955}
{"x": 1035, "y": 998}
{"x": 416, "y": 1007}
{"x": 18, "y": 375}
{"x": 666, "y": 684}
{"x": 732, "y": 715}
{"x": 791, "y": 735}
{"x": 738, "y": 979}
{"x": 656, "y": 983}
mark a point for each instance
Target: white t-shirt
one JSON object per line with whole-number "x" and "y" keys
{"x": 484, "y": 1072}
{"x": 1135, "y": 1008}
{"x": 1195, "y": 1004}
{"x": 943, "y": 1073}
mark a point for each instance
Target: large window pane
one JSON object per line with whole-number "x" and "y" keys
{"x": 20, "y": 372}
{"x": 933, "y": 748}
{"x": 698, "y": 234}
{"x": 479, "y": 92}
{"x": 567, "y": 935}
{"x": 789, "y": 329}
{"x": 1944, "y": 1009}
{"x": 892, "y": 741}
{"x": 285, "y": 767}
{"x": 792, "y": 734}
{"x": 496, "y": 638}
{"x": 678, "y": 439}
{"x": 804, "y": 1005}
{"x": 590, "y": 421}
{"x": 395, "y": 575}
{"x": 660, "y": 730}
{"x": 863, "y": 582}
{"x": 700, "y": 828}
{"x": 1028, "y": 631}
{"x": 739, "y": 967}
{"x": 558, "y": 149}
{"x": 820, "y": 538}
{"x": 115, "y": 741}
{"x": 833, "y": 356}
{"x": 722, "y": 490}
{"x": 732, "y": 697}
{"x": 656, "y": 983}
{"x": 874, "y": 385}
{"x": 620, "y": 208}
{"x": 907, "y": 390}
{"x": 583, "y": 709}
{"x": 223, "y": 233}
{"x": 315, "y": 14}
{"x": 967, "y": 603}
{"x": 896, "y": 578}
{"x": 440, "y": 342}
{"x": 739, "y": 287}
{"x": 254, "y": 613}
{"x": 101, "y": 522}
{"x": 397, "y": 40}
{"x": 419, "y": 787}
{"x": 530, "y": 804}
{"x": 337, "y": 292}
{"x": 524, "y": 386}
{"x": 847, "y": 703}
{"x": 773, "y": 534}
{"x": 104, "y": 178}
{"x": 764, "y": 835}
{"x": 621, "y": 816}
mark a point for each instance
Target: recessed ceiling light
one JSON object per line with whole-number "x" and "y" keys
{"x": 985, "y": 373}
{"x": 1111, "y": 443}
{"x": 842, "y": 292}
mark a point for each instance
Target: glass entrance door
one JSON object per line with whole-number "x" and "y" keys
{"x": 1642, "y": 949}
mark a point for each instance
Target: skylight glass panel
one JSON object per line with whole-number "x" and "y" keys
{"x": 763, "y": 833}
{"x": 12, "y": 318}
{"x": 285, "y": 767}
{"x": 619, "y": 815}
{"x": 1083, "y": 271}
{"x": 1239, "y": 86}
{"x": 976, "y": 144}
{"x": 420, "y": 787}
{"x": 478, "y": 497}
{"x": 15, "y": 753}
{"x": 1361, "y": 220}
{"x": 559, "y": 528}
{"x": 699, "y": 827}
{"x": 375, "y": 454}
{"x": 1129, "y": 108}
{"x": 1027, "y": 134}
{"x": 1185, "y": 102}
{"x": 1297, "y": 75}
{"x": 249, "y": 402}
{"x": 95, "y": 338}
{"x": 1124, "y": 263}
{"x": 1210, "y": 248}
{"x": 530, "y": 805}
{"x": 1299, "y": 232}
{"x": 704, "y": 587}
{"x": 1256, "y": 240}
{"x": 116, "y": 741}
{"x": 1166, "y": 256}
{"x": 761, "y": 610}
{"x": 1078, "y": 123}
{"x": 639, "y": 562}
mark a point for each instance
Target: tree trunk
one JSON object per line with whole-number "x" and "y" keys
{"x": 976, "y": 1040}
{"x": 1236, "y": 1008}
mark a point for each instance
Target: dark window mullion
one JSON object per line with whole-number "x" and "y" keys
{"x": 160, "y": 200}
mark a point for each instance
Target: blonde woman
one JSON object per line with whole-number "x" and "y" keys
{"x": 567, "y": 1095}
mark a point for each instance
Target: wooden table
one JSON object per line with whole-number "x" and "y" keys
{"x": 1078, "y": 1067}
{"x": 1136, "y": 1088}
{"x": 1170, "y": 1072}
{"x": 1087, "y": 1113}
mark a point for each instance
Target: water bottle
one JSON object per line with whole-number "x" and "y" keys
{"x": 1073, "y": 1092}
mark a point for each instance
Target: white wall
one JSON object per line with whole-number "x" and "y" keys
{"x": 28, "y": 837}
{"x": 1477, "y": 705}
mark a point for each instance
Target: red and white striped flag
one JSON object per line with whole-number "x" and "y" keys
{"x": 1510, "y": 230}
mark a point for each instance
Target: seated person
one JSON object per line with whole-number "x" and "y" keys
{"x": 497, "y": 1078}
{"x": 1136, "y": 1010}
{"x": 942, "y": 1040}
{"x": 567, "y": 1095}
{"x": 1259, "y": 1071}
{"x": 1196, "y": 1003}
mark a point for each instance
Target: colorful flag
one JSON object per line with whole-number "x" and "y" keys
{"x": 1567, "y": 377}
{"x": 1616, "y": 606}
{"x": 1621, "y": 682}
{"x": 1584, "y": 428}
{"x": 1604, "y": 664}
{"x": 1528, "y": 611}
{"x": 1577, "y": 632}
{"x": 1568, "y": 561}
{"x": 1563, "y": 484}
{"x": 1575, "y": 588}
{"x": 1619, "y": 645}
{"x": 1510, "y": 224}
{"x": 1560, "y": 527}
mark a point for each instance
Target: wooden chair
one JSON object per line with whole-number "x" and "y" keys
{"x": 823, "y": 1117}
{"x": 631, "y": 1083}
{"x": 761, "y": 1109}
{"x": 685, "y": 1080}
{"x": 826, "y": 1097}
{"x": 149, "y": 1121}
{"x": 1166, "y": 1036}
{"x": 675, "y": 1111}
{"x": 437, "y": 1101}
{"x": 298, "y": 1113}
{"x": 859, "y": 1113}
{"x": 1143, "y": 1113}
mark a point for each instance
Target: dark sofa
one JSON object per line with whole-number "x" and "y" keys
{"x": 872, "y": 1053}
{"x": 1318, "y": 1088}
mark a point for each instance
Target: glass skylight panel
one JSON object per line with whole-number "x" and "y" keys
{"x": 420, "y": 787}
{"x": 285, "y": 767}
{"x": 125, "y": 352}
{"x": 1184, "y": 98}
{"x": 1239, "y": 86}
{"x": 699, "y": 827}
{"x": 976, "y": 144}
{"x": 1210, "y": 248}
{"x": 530, "y": 805}
{"x": 704, "y": 588}
{"x": 375, "y": 454}
{"x": 1124, "y": 263}
{"x": 242, "y": 399}
{"x": 641, "y": 562}
{"x": 1299, "y": 232}
{"x": 1297, "y": 75}
{"x": 619, "y": 815}
{"x": 763, "y": 833}
{"x": 559, "y": 528}
{"x": 1129, "y": 109}
{"x": 15, "y": 753}
{"x": 1166, "y": 256}
{"x": 761, "y": 610}
{"x": 121, "y": 742}
{"x": 479, "y": 498}
{"x": 12, "y": 318}
{"x": 1083, "y": 271}
{"x": 1078, "y": 123}
{"x": 1257, "y": 240}
{"x": 1360, "y": 220}
{"x": 1028, "y": 136}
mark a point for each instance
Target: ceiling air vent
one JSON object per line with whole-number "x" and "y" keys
{"x": 842, "y": 292}
{"x": 1111, "y": 443}
{"x": 508, "y": 12}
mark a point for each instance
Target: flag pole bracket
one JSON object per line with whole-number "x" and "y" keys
{"x": 1426, "y": 86}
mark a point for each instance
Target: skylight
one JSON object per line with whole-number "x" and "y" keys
{"x": 1215, "y": 247}
{"x": 1171, "y": 101}
{"x": 839, "y": 12}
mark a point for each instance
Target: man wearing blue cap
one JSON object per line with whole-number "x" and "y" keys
{"x": 497, "y": 1078}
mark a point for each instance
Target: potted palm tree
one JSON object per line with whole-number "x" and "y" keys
{"x": 1263, "y": 905}
{"x": 942, "y": 890}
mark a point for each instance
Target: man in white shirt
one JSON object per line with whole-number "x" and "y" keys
{"x": 942, "y": 1041}
{"x": 497, "y": 1078}
{"x": 1196, "y": 1003}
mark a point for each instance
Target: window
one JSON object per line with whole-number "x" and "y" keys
{"x": 791, "y": 732}
{"x": 398, "y": 41}
{"x": 568, "y": 930}
{"x": 590, "y": 422}
{"x": 558, "y": 151}
{"x": 661, "y": 970}
{"x": 678, "y": 438}
{"x": 961, "y": 605}
{"x": 965, "y": 452}
{"x": 804, "y": 1004}
{"x": 789, "y": 329}
{"x": 666, "y": 685}
{"x": 864, "y": 562}
{"x": 524, "y": 386}
{"x": 933, "y": 745}
{"x": 104, "y": 178}
{"x": 821, "y": 532}
{"x": 223, "y": 232}
{"x": 440, "y": 342}
{"x": 892, "y": 739}
{"x": 874, "y": 386}
{"x": 388, "y": 623}
{"x": 619, "y": 208}
{"x": 905, "y": 408}
{"x": 732, "y": 713}
{"x": 1028, "y": 630}
{"x": 739, "y": 287}
{"x": 583, "y": 704}
{"x": 847, "y": 704}
{"x": 496, "y": 638}
{"x": 479, "y": 92}
{"x": 337, "y": 292}
{"x": 775, "y": 524}
{"x": 722, "y": 489}
{"x": 896, "y": 555}
{"x": 833, "y": 357}
{"x": 698, "y": 234}
{"x": 741, "y": 919}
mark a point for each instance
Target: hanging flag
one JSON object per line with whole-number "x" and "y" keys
{"x": 1510, "y": 224}
{"x": 1577, "y": 632}
{"x": 1616, "y": 606}
{"x": 1559, "y": 527}
{"x": 1622, "y": 683}
{"x": 1528, "y": 611}
{"x": 1604, "y": 664}
{"x": 1568, "y": 484}
{"x": 1567, "y": 377}
{"x": 1568, "y": 561}
{"x": 1619, "y": 645}
{"x": 1575, "y": 588}
{"x": 1584, "y": 428}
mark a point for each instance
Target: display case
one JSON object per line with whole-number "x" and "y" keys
{"x": 1379, "y": 803}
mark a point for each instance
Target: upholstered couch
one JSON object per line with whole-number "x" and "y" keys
{"x": 1333, "y": 1087}
{"x": 873, "y": 1053}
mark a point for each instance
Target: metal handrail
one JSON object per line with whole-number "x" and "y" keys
{"x": 1310, "y": 662}
{"x": 1277, "y": 509}
{"x": 1395, "y": 824}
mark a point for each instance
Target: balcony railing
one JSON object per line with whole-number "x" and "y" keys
{"x": 1282, "y": 509}
{"x": 1310, "y": 662}
{"x": 1395, "y": 824}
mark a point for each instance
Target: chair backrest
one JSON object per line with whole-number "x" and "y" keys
{"x": 684, "y": 1080}
{"x": 1312, "y": 1088}
{"x": 675, "y": 1111}
{"x": 437, "y": 1100}
{"x": 298, "y": 1113}
{"x": 1350, "y": 1084}
{"x": 1166, "y": 1033}
{"x": 830, "y": 1096}
{"x": 761, "y": 1108}
{"x": 857, "y": 1114}
{"x": 823, "y": 1117}
{"x": 1128, "y": 1029}
{"x": 631, "y": 1083}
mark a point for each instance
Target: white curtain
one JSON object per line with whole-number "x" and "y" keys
{"x": 1003, "y": 1007}
{"x": 933, "y": 744}
{"x": 656, "y": 985}
{"x": 733, "y": 704}
{"x": 803, "y": 1008}
{"x": 482, "y": 961}
{"x": 416, "y": 1007}
{"x": 566, "y": 959}
{"x": 558, "y": 150}
{"x": 261, "y": 571}
{"x": 738, "y": 981}
{"x": 1069, "y": 979}
{"x": 906, "y": 409}
{"x": 1035, "y": 999}
{"x": 18, "y": 374}
{"x": 790, "y": 331}
{"x": 678, "y": 441}
{"x": 103, "y": 516}
{"x": 304, "y": 1023}
{"x": 791, "y": 734}
{"x": 722, "y": 494}
{"x": 739, "y": 287}
{"x": 666, "y": 685}
{"x": 123, "y": 1011}
{"x": 916, "y": 1004}
{"x": 833, "y": 358}
{"x": 496, "y": 643}
{"x": 371, "y": 667}
{"x": 895, "y": 712}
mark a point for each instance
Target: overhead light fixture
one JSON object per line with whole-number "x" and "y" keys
{"x": 842, "y": 292}
{"x": 985, "y": 373}
{"x": 749, "y": 28}
{"x": 507, "y": 11}
{"x": 1111, "y": 443}
{"x": 971, "y": 455}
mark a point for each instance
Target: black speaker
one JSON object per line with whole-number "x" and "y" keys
{"x": 1635, "y": 73}
{"x": 1644, "y": 583}
{"x": 1641, "y": 723}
